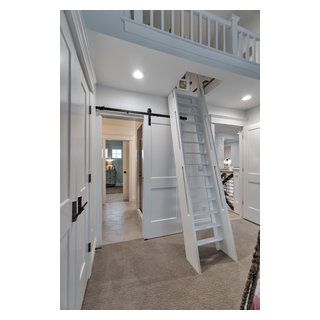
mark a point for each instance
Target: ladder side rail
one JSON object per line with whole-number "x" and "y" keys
{"x": 189, "y": 234}
{"x": 227, "y": 245}
{"x": 204, "y": 158}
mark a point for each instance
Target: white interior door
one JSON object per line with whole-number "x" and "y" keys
{"x": 251, "y": 173}
{"x": 161, "y": 210}
{"x": 74, "y": 160}
{"x": 65, "y": 186}
{"x": 125, "y": 174}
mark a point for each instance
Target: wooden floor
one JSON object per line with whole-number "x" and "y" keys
{"x": 233, "y": 215}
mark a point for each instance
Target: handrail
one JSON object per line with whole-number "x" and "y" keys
{"x": 214, "y": 17}
{"x": 211, "y": 31}
{"x": 250, "y": 33}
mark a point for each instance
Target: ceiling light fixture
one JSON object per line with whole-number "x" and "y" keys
{"x": 137, "y": 74}
{"x": 247, "y": 97}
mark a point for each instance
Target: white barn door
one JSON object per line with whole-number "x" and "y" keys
{"x": 161, "y": 210}
{"x": 251, "y": 173}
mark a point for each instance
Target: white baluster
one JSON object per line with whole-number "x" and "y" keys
{"x": 200, "y": 28}
{"x": 172, "y": 21}
{"x": 208, "y": 30}
{"x": 138, "y": 16}
{"x": 191, "y": 25}
{"x": 247, "y": 49}
{"x": 162, "y": 20}
{"x": 217, "y": 34}
{"x": 254, "y": 50}
{"x": 151, "y": 18}
{"x": 224, "y": 37}
{"x": 182, "y": 24}
{"x": 241, "y": 44}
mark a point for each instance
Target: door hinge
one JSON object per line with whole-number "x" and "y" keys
{"x": 89, "y": 247}
{"x": 89, "y": 177}
{"x": 90, "y": 110}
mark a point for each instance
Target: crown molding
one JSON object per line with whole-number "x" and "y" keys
{"x": 76, "y": 25}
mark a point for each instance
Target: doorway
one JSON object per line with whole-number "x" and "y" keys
{"x": 228, "y": 140}
{"x": 117, "y": 170}
{"x": 120, "y": 218}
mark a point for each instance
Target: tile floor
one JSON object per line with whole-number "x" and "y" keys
{"x": 121, "y": 222}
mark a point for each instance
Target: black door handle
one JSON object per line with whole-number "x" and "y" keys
{"x": 75, "y": 215}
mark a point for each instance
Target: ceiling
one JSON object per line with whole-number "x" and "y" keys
{"x": 114, "y": 61}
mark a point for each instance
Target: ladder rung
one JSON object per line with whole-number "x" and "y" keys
{"x": 202, "y": 200}
{"x": 195, "y": 132}
{"x": 205, "y": 187}
{"x": 199, "y": 176}
{"x": 199, "y": 213}
{"x": 208, "y": 240}
{"x": 192, "y": 105}
{"x": 192, "y": 142}
{"x": 188, "y": 121}
{"x": 206, "y": 226}
{"x": 196, "y": 164}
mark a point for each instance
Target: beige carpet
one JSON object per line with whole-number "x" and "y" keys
{"x": 155, "y": 274}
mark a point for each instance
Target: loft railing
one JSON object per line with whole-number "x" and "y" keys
{"x": 205, "y": 29}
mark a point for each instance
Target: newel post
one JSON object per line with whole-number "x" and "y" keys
{"x": 234, "y": 31}
{"x": 138, "y": 16}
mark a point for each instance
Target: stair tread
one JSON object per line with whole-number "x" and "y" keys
{"x": 195, "y": 153}
{"x": 194, "y": 142}
{"x": 208, "y": 240}
{"x": 205, "y": 199}
{"x": 184, "y": 94}
{"x": 199, "y": 213}
{"x": 205, "y": 187}
{"x": 199, "y": 175}
{"x": 191, "y": 105}
{"x": 206, "y": 226}
{"x": 196, "y": 164}
{"x": 189, "y": 131}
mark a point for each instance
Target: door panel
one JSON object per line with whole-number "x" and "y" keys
{"x": 74, "y": 155}
{"x": 65, "y": 201}
{"x": 79, "y": 160}
{"x": 251, "y": 173}
{"x": 161, "y": 203}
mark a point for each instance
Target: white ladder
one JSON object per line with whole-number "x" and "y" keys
{"x": 202, "y": 201}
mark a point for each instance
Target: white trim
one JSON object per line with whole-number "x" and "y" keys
{"x": 76, "y": 25}
{"x": 221, "y": 119}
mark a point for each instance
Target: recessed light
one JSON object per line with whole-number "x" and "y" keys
{"x": 138, "y": 74}
{"x": 247, "y": 97}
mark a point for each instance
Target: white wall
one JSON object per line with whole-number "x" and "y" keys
{"x": 116, "y": 98}
{"x": 253, "y": 115}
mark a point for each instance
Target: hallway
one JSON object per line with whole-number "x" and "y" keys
{"x": 121, "y": 222}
